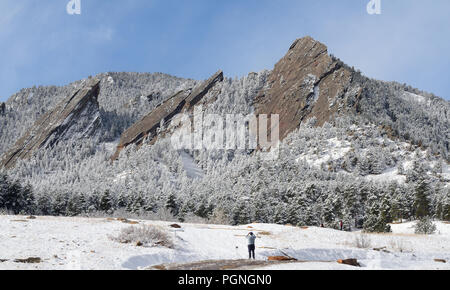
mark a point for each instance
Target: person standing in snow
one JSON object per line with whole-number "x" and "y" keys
{"x": 251, "y": 245}
{"x": 341, "y": 225}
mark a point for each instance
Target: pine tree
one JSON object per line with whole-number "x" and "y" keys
{"x": 347, "y": 220}
{"x": 240, "y": 214}
{"x": 396, "y": 202}
{"x": 376, "y": 217}
{"x": 385, "y": 210}
{"x": 92, "y": 203}
{"x": 171, "y": 204}
{"x": 15, "y": 198}
{"x": 105, "y": 203}
{"x": 82, "y": 201}
{"x": 121, "y": 201}
{"x": 261, "y": 206}
{"x": 425, "y": 226}
{"x": 421, "y": 200}
{"x": 60, "y": 204}
{"x": 137, "y": 203}
{"x": 328, "y": 217}
{"x": 4, "y": 189}
{"x": 446, "y": 206}
{"x": 73, "y": 205}
{"x": 292, "y": 214}
{"x": 350, "y": 204}
{"x": 28, "y": 205}
{"x": 43, "y": 205}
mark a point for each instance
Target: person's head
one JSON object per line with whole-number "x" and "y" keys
{"x": 251, "y": 234}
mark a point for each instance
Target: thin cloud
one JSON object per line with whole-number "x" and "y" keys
{"x": 102, "y": 33}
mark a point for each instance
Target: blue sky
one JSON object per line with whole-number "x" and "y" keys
{"x": 40, "y": 44}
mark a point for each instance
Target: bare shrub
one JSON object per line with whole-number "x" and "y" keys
{"x": 194, "y": 219}
{"x": 425, "y": 226}
{"x": 163, "y": 214}
{"x": 145, "y": 235}
{"x": 362, "y": 241}
{"x": 219, "y": 217}
{"x": 398, "y": 245}
{"x": 5, "y": 212}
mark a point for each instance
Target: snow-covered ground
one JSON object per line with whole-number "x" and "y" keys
{"x": 334, "y": 150}
{"x": 390, "y": 174}
{"x": 83, "y": 243}
{"x": 192, "y": 169}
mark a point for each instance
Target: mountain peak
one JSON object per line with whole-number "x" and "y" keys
{"x": 305, "y": 41}
{"x": 305, "y": 83}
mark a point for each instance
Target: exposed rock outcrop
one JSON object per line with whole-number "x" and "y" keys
{"x": 147, "y": 127}
{"x": 305, "y": 83}
{"x": 350, "y": 262}
{"x": 75, "y": 117}
{"x": 280, "y": 258}
{"x": 2, "y": 108}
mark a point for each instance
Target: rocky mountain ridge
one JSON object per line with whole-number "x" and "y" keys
{"x": 182, "y": 101}
{"x": 353, "y": 148}
{"x": 306, "y": 83}
{"x": 75, "y": 117}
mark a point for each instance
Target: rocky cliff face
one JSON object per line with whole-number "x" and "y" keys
{"x": 75, "y": 117}
{"x": 306, "y": 83}
{"x": 148, "y": 126}
{"x": 2, "y": 108}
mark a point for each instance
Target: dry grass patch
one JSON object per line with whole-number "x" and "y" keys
{"x": 127, "y": 221}
{"x": 264, "y": 233}
{"x": 145, "y": 235}
{"x": 362, "y": 241}
{"x": 281, "y": 258}
{"x": 395, "y": 235}
{"x": 32, "y": 260}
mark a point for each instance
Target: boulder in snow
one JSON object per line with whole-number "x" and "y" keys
{"x": 281, "y": 258}
{"x": 350, "y": 262}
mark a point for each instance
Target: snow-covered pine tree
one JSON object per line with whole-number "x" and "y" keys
{"x": 421, "y": 199}
{"x": 172, "y": 204}
{"x": 105, "y": 202}
{"x": 241, "y": 214}
{"x": 376, "y": 216}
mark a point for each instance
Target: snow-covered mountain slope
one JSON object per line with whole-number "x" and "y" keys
{"x": 191, "y": 168}
{"x": 82, "y": 243}
{"x": 123, "y": 99}
{"x": 76, "y": 117}
{"x": 348, "y": 144}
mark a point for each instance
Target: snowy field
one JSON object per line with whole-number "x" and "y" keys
{"x": 82, "y": 243}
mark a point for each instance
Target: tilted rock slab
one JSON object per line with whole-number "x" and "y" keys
{"x": 306, "y": 82}
{"x": 2, "y": 108}
{"x": 75, "y": 117}
{"x": 147, "y": 127}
